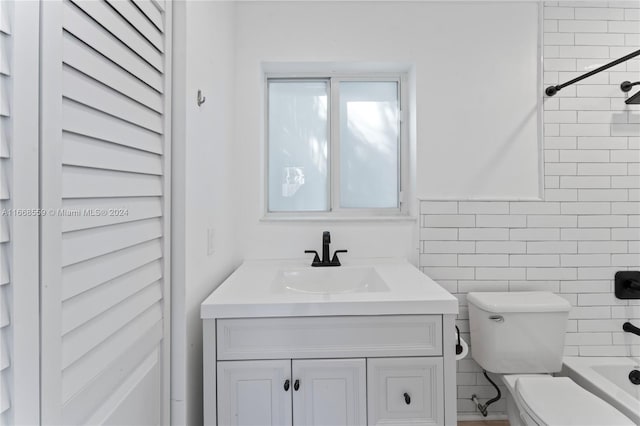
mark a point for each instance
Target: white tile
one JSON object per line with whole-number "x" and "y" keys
{"x": 599, "y": 39}
{"x": 602, "y": 221}
{"x": 550, "y": 25}
{"x": 625, "y": 182}
{"x": 534, "y": 207}
{"x": 500, "y": 273}
{"x": 602, "y": 246}
{"x": 534, "y": 234}
{"x": 597, "y": 273}
{"x": 552, "y": 221}
{"x": 586, "y": 208}
{"x": 606, "y": 350}
{"x": 602, "y": 117}
{"x": 598, "y": 90}
{"x": 585, "y": 182}
{"x": 484, "y": 207}
{"x": 634, "y": 221}
{"x": 486, "y": 234}
{"x": 586, "y": 104}
{"x": 535, "y": 285}
{"x": 582, "y": 26}
{"x": 438, "y": 207}
{"x": 449, "y": 221}
{"x": 599, "y": 13}
{"x": 583, "y": 51}
{"x": 560, "y": 169}
{"x": 585, "y": 156}
{"x": 590, "y": 325}
{"x": 551, "y": 156}
{"x": 467, "y": 286}
{"x": 590, "y": 312}
{"x": 585, "y": 260}
{"x": 603, "y": 195}
{"x": 551, "y": 273}
{"x": 560, "y": 142}
{"x": 631, "y": 260}
{"x": 589, "y": 129}
{"x": 438, "y": 260}
{"x": 584, "y": 234}
{"x": 561, "y": 194}
{"x": 632, "y": 14}
{"x": 501, "y": 247}
{"x": 497, "y": 221}
{"x": 626, "y": 156}
{"x": 622, "y": 27}
{"x": 551, "y": 247}
{"x": 449, "y": 273}
{"x": 625, "y": 208}
{"x": 560, "y": 117}
{"x": 602, "y": 169}
{"x": 588, "y": 338}
{"x": 552, "y": 182}
{"x": 634, "y": 246}
{"x": 534, "y": 260}
{"x": 558, "y": 13}
{"x": 598, "y": 299}
{"x": 558, "y": 39}
{"x": 448, "y": 247}
{"x": 633, "y": 169}
{"x": 483, "y": 260}
{"x": 625, "y": 234}
{"x": 591, "y": 286}
{"x": 557, "y": 64}
{"x": 438, "y": 234}
{"x": 621, "y": 129}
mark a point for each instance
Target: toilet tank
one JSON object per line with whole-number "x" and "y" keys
{"x": 518, "y": 332}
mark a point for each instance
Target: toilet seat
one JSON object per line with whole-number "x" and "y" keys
{"x": 558, "y": 401}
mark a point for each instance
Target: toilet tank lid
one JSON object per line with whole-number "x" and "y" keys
{"x": 519, "y": 301}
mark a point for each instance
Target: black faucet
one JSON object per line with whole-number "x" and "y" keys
{"x": 326, "y": 240}
{"x": 630, "y": 328}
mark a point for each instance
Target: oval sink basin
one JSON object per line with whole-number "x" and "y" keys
{"x": 327, "y": 280}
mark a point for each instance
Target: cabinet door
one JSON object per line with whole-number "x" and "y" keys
{"x": 329, "y": 392}
{"x": 254, "y": 393}
{"x": 405, "y": 391}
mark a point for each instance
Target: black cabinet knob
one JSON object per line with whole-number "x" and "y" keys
{"x": 286, "y": 385}
{"x": 296, "y": 385}
{"x": 407, "y": 398}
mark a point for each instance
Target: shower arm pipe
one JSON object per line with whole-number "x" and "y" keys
{"x": 552, "y": 90}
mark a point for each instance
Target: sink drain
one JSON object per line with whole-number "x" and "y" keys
{"x": 634, "y": 377}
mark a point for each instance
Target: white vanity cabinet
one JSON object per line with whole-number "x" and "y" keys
{"x": 382, "y": 354}
{"x": 285, "y": 392}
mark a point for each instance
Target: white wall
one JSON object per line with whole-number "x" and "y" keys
{"x": 461, "y": 128}
{"x": 203, "y": 196}
{"x": 587, "y": 227}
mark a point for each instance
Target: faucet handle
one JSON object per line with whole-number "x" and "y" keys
{"x": 335, "y": 259}
{"x": 316, "y": 258}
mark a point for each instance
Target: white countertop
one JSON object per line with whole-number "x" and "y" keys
{"x": 251, "y": 292}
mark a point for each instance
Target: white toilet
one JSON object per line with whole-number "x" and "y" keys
{"x": 520, "y": 335}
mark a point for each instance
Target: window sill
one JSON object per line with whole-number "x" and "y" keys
{"x": 270, "y": 217}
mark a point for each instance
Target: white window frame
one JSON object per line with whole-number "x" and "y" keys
{"x": 333, "y": 167}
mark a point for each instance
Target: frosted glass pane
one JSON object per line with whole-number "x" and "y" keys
{"x": 369, "y": 144}
{"x": 298, "y": 146}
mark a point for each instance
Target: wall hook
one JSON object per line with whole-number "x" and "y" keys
{"x": 201, "y": 99}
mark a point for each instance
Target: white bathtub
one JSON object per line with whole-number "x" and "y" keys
{"x": 608, "y": 378}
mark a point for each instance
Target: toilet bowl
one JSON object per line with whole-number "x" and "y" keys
{"x": 520, "y": 336}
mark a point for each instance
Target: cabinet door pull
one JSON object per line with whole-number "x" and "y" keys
{"x": 296, "y": 385}
{"x": 407, "y": 398}
{"x": 286, "y": 385}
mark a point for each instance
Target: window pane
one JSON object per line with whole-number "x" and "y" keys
{"x": 298, "y": 146}
{"x": 369, "y": 144}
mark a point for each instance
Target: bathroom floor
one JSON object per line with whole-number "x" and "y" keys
{"x": 485, "y": 423}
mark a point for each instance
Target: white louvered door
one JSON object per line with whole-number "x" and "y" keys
{"x": 19, "y": 338}
{"x": 105, "y": 173}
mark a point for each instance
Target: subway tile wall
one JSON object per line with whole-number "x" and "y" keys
{"x": 587, "y": 227}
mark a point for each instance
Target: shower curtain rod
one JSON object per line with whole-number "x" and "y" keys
{"x": 552, "y": 90}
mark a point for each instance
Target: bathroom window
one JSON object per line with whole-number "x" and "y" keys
{"x": 334, "y": 144}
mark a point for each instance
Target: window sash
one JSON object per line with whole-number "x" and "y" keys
{"x": 333, "y": 155}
